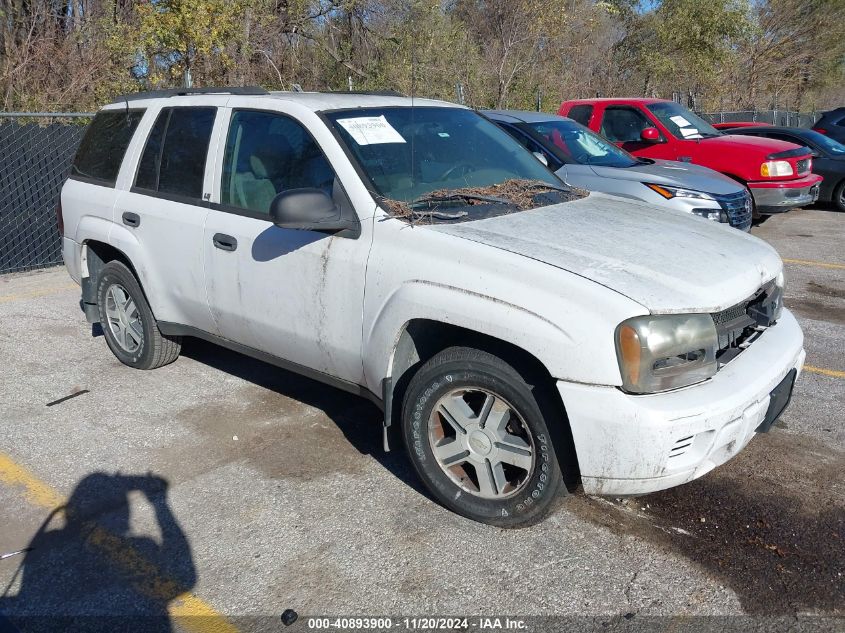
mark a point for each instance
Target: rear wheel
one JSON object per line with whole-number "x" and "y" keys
{"x": 128, "y": 323}
{"x": 477, "y": 437}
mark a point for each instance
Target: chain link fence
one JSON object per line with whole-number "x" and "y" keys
{"x": 36, "y": 150}
{"x": 785, "y": 118}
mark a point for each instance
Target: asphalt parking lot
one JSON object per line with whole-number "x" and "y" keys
{"x": 222, "y": 487}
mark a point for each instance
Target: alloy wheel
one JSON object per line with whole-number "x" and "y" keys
{"x": 481, "y": 443}
{"x": 124, "y": 318}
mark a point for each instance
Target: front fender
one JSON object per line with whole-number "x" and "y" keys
{"x": 422, "y": 299}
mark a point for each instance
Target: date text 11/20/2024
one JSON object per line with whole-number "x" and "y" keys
{"x": 421, "y": 623}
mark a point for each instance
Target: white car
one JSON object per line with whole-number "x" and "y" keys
{"x": 414, "y": 253}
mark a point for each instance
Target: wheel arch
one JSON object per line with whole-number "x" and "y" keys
{"x": 421, "y": 338}
{"x": 95, "y": 255}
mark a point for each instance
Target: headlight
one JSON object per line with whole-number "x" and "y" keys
{"x": 666, "y": 351}
{"x": 678, "y": 192}
{"x": 717, "y": 215}
{"x": 776, "y": 168}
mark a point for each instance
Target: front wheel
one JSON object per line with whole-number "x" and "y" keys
{"x": 477, "y": 437}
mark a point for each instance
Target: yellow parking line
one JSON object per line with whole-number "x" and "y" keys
{"x": 825, "y": 372}
{"x": 807, "y": 262}
{"x": 188, "y": 610}
{"x": 35, "y": 491}
{"x": 43, "y": 292}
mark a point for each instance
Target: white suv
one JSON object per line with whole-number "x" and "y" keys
{"x": 516, "y": 333}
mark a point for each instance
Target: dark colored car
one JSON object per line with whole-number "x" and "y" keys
{"x": 828, "y": 157}
{"x": 832, "y": 124}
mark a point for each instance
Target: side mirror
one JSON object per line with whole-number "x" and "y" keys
{"x": 307, "y": 210}
{"x": 541, "y": 157}
{"x": 650, "y": 135}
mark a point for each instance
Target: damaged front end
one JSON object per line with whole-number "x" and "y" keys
{"x": 740, "y": 325}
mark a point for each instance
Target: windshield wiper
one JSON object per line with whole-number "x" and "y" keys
{"x": 454, "y": 197}
{"x": 438, "y": 214}
{"x": 457, "y": 195}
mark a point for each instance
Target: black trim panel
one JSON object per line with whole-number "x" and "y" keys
{"x": 197, "y": 202}
{"x": 176, "y": 329}
{"x": 798, "y": 152}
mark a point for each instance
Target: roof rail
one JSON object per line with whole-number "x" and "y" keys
{"x": 176, "y": 92}
{"x": 374, "y": 93}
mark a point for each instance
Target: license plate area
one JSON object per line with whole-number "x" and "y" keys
{"x": 778, "y": 401}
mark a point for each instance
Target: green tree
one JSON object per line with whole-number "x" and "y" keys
{"x": 181, "y": 36}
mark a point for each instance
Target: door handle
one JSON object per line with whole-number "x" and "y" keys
{"x": 131, "y": 219}
{"x": 225, "y": 242}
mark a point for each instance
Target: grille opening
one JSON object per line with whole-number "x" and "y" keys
{"x": 738, "y": 208}
{"x": 738, "y": 326}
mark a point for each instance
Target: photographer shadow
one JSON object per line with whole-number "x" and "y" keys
{"x": 92, "y": 573}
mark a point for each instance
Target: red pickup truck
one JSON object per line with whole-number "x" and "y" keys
{"x": 779, "y": 174}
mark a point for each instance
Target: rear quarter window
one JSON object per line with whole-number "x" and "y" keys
{"x": 104, "y": 145}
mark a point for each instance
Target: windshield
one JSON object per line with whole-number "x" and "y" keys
{"x": 573, "y": 143}
{"x": 680, "y": 122}
{"x": 408, "y": 153}
{"x": 825, "y": 142}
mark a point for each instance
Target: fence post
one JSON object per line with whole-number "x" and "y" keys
{"x": 459, "y": 93}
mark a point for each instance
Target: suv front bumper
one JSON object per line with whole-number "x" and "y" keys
{"x": 630, "y": 445}
{"x": 781, "y": 196}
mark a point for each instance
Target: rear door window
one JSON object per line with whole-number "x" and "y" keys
{"x": 623, "y": 125}
{"x": 581, "y": 114}
{"x": 102, "y": 148}
{"x": 173, "y": 161}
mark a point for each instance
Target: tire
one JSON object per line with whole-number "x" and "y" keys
{"x": 131, "y": 332}
{"x": 838, "y": 197}
{"x": 517, "y": 490}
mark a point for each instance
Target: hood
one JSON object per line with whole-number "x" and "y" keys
{"x": 673, "y": 174}
{"x": 667, "y": 261}
{"x": 759, "y": 146}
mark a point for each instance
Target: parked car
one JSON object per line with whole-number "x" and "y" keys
{"x": 832, "y": 124}
{"x": 729, "y": 125}
{"x": 583, "y": 159}
{"x": 778, "y": 174}
{"x": 828, "y": 157}
{"x": 511, "y": 336}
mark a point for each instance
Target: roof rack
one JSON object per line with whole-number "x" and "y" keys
{"x": 374, "y": 93}
{"x": 176, "y": 92}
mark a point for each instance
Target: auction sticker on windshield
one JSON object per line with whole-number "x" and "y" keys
{"x": 371, "y": 130}
{"x": 690, "y": 132}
